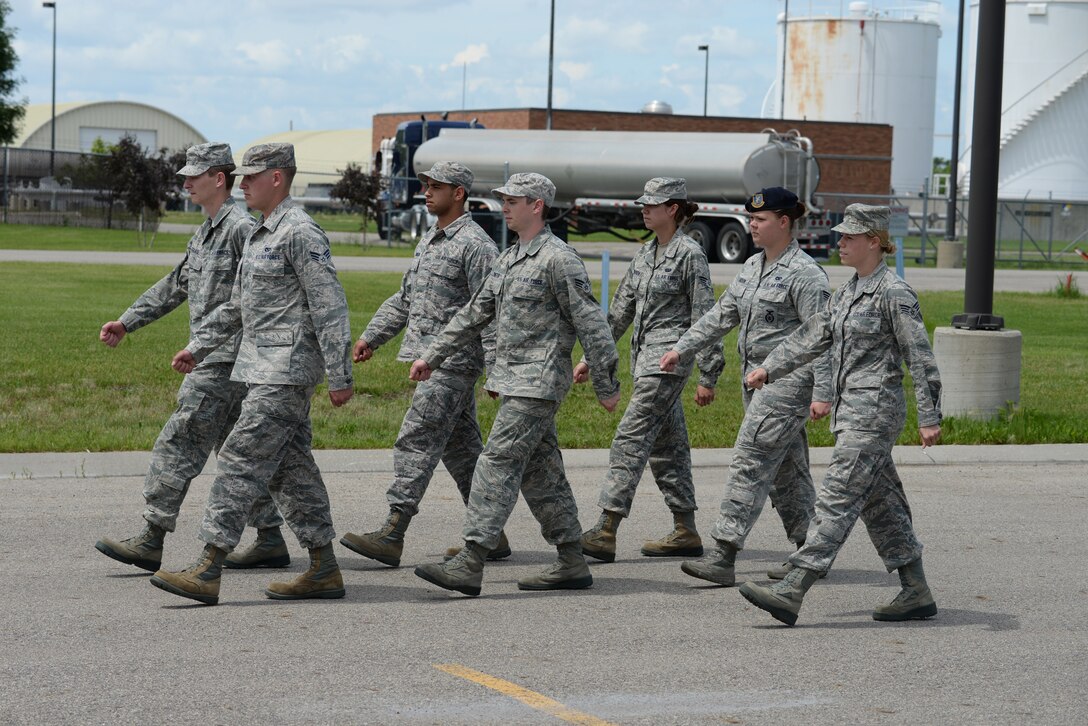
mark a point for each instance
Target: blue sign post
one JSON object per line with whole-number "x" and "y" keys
{"x": 897, "y": 231}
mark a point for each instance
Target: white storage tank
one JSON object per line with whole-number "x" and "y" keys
{"x": 873, "y": 63}
{"x": 1044, "y": 100}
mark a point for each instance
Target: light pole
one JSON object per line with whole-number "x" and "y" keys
{"x": 53, "y": 118}
{"x": 706, "y": 75}
{"x": 953, "y": 177}
{"x": 551, "y": 60}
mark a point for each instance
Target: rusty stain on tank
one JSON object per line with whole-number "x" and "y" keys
{"x": 805, "y": 90}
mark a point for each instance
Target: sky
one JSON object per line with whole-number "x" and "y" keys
{"x": 239, "y": 70}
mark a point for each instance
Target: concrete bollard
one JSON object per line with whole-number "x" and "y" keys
{"x": 980, "y": 370}
{"x": 949, "y": 253}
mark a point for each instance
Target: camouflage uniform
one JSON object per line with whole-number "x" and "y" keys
{"x": 450, "y": 265}
{"x": 661, "y": 294}
{"x": 291, "y": 310}
{"x": 768, "y": 300}
{"x": 539, "y": 296}
{"x": 870, "y": 327}
{"x": 208, "y": 401}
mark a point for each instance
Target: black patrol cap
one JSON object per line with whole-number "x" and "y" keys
{"x": 771, "y": 199}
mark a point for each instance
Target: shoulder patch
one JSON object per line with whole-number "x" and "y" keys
{"x": 914, "y": 311}
{"x": 321, "y": 257}
{"x": 583, "y": 284}
{"x": 825, "y": 294}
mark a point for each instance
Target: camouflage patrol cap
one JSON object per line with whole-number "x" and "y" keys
{"x": 863, "y": 219}
{"x": 663, "y": 188}
{"x": 449, "y": 172}
{"x": 528, "y": 184}
{"x": 201, "y": 157}
{"x": 267, "y": 156}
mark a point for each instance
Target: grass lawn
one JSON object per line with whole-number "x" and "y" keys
{"x": 62, "y": 390}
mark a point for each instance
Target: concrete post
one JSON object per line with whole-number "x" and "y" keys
{"x": 949, "y": 253}
{"x": 980, "y": 371}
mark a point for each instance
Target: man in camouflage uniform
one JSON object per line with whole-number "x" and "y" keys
{"x": 451, "y": 263}
{"x": 872, "y": 325}
{"x": 208, "y": 400}
{"x": 666, "y": 287}
{"x": 540, "y": 298}
{"x": 293, "y": 316}
{"x": 776, "y": 291}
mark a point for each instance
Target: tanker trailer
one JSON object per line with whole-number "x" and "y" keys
{"x": 598, "y": 173}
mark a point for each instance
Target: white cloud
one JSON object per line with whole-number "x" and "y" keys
{"x": 344, "y": 52}
{"x": 269, "y": 55}
{"x": 469, "y": 56}
{"x": 726, "y": 41}
{"x": 575, "y": 71}
{"x": 667, "y": 72}
{"x": 725, "y": 99}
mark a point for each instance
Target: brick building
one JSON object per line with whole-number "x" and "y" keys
{"x": 854, "y": 158}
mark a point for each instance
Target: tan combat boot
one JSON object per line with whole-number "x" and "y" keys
{"x": 268, "y": 550}
{"x": 385, "y": 545}
{"x": 600, "y": 542}
{"x": 682, "y": 541}
{"x": 463, "y": 573}
{"x": 782, "y": 599}
{"x": 199, "y": 581}
{"x": 568, "y": 572}
{"x": 322, "y": 580}
{"x": 500, "y": 552}
{"x": 914, "y": 601}
{"x": 777, "y": 573}
{"x": 718, "y": 566}
{"x": 144, "y": 550}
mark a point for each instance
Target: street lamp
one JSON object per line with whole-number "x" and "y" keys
{"x": 706, "y": 75}
{"x": 551, "y": 61}
{"x": 53, "y": 121}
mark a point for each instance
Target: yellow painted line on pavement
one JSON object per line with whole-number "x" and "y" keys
{"x": 529, "y": 698}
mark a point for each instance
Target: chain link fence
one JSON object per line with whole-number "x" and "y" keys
{"x": 29, "y": 195}
{"x": 1029, "y": 232}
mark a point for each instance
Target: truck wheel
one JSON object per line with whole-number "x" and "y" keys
{"x": 703, "y": 235}
{"x": 733, "y": 243}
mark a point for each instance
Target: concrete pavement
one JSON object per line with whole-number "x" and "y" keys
{"x": 919, "y": 278}
{"x": 87, "y": 640}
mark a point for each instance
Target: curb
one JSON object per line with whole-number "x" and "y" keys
{"x": 91, "y": 465}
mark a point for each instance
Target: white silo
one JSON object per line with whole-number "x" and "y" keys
{"x": 872, "y": 64}
{"x": 1044, "y": 100}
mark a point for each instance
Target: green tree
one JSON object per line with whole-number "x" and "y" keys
{"x": 12, "y": 110}
{"x": 941, "y": 165}
{"x": 144, "y": 182}
{"x": 128, "y": 173}
{"x": 358, "y": 190}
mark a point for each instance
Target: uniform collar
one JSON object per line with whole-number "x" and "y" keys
{"x": 673, "y": 247}
{"x": 873, "y": 281}
{"x": 785, "y": 259}
{"x": 224, "y": 209}
{"x": 452, "y": 228}
{"x": 273, "y": 220}
{"x": 535, "y": 243}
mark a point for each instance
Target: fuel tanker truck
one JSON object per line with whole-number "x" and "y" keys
{"x": 598, "y": 174}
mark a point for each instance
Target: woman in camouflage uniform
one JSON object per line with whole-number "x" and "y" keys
{"x": 872, "y": 325}
{"x": 666, "y": 288}
{"x": 775, "y": 291}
